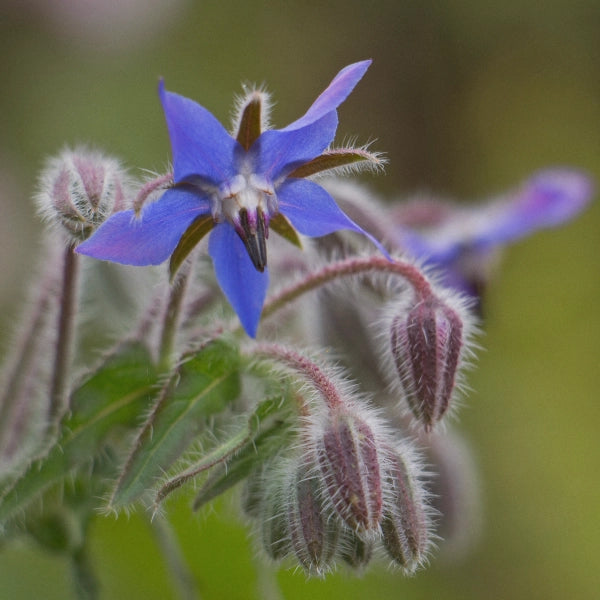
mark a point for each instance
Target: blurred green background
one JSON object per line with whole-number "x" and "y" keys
{"x": 467, "y": 98}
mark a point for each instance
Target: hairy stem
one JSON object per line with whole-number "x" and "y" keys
{"x": 171, "y": 318}
{"x": 346, "y": 268}
{"x": 180, "y": 572}
{"x": 160, "y": 182}
{"x": 305, "y": 367}
{"x": 64, "y": 343}
{"x": 84, "y": 578}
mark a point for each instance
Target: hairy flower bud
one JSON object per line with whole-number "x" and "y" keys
{"x": 355, "y": 550}
{"x": 406, "y": 524}
{"x": 426, "y": 346}
{"x": 350, "y": 467}
{"x": 273, "y": 523}
{"x": 80, "y": 189}
{"x": 314, "y": 534}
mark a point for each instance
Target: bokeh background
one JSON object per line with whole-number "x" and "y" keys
{"x": 467, "y": 98}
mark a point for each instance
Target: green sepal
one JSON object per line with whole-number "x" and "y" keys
{"x": 270, "y": 436}
{"x": 108, "y": 402}
{"x": 334, "y": 159}
{"x": 188, "y": 241}
{"x": 279, "y": 224}
{"x": 250, "y": 123}
{"x": 224, "y": 451}
{"x": 202, "y": 386}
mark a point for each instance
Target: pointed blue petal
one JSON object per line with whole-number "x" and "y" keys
{"x": 547, "y": 199}
{"x": 337, "y": 91}
{"x": 242, "y": 284}
{"x": 313, "y": 212}
{"x": 150, "y": 238}
{"x": 277, "y": 153}
{"x": 201, "y": 146}
{"x": 433, "y": 248}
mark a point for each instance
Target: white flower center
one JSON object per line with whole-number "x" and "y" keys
{"x": 252, "y": 193}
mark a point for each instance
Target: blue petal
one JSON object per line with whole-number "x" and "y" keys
{"x": 337, "y": 91}
{"x": 280, "y": 152}
{"x": 244, "y": 286}
{"x": 151, "y": 238}
{"x": 313, "y": 212}
{"x": 547, "y": 199}
{"x": 434, "y": 248}
{"x": 201, "y": 146}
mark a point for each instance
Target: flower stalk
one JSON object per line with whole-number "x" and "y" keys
{"x": 64, "y": 342}
{"x": 348, "y": 268}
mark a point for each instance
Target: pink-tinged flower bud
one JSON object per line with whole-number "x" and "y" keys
{"x": 79, "y": 190}
{"x": 314, "y": 533}
{"x": 355, "y": 550}
{"x": 426, "y": 346}
{"x": 406, "y": 524}
{"x": 272, "y": 521}
{"x": 253, "y": 494}
{"x": 350, "y": 466}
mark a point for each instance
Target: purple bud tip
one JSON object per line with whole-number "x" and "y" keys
{"x": 426, "y": 347}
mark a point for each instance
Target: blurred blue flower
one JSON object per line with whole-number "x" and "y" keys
{"x": 463, "y": 241}
{"x": 238, "y": 187}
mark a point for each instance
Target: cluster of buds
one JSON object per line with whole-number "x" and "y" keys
{"x": 349, "y": 487}
{"x": 340, "y": 498}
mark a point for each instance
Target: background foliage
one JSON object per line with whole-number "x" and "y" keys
{"x": 467, "y": 98}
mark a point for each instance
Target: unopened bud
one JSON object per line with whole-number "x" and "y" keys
{"x": 426, "y": 346}
{"x": 314, "y": 534}
{"x": 79, "y": 190}
{"x": 350, "y": 467}
{"x": 406, "y": 523}
{"x": 253, "y": 494}
{"x": 273, "y": 523}
{"x": 355, "y": 550}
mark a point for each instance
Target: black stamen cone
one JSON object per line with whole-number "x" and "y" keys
{"x": 254, "y": 237}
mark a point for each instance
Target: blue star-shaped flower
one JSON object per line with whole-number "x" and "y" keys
{"x": 237, "y": 188}
{"x": 463, "y": 240}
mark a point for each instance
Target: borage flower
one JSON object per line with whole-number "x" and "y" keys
{"x": 464, "y": 240}
{"x": 238, "y": 187}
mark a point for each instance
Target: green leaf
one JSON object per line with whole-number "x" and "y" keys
{"x": 267, "y": 437}
{"x": 113, "y": 397}
{"x": 223, "y": 451}
{"x": 201, "y": 387}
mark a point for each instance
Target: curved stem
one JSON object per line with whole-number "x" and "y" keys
{"x": 345, "y": 268}
{"x": 306, "y": 367}
{"x": 162, "y": 181}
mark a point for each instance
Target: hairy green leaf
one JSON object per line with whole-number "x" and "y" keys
{"x": 201, "y": 387}
{"x": 111, "y": 398}
{"x": 266, "y": 437}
